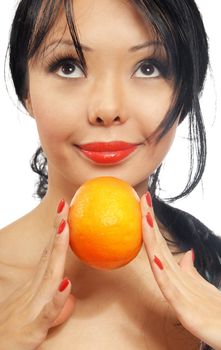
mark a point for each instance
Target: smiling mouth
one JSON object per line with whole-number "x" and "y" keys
{"x": 107, "y": 152}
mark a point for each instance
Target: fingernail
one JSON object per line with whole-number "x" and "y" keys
{"x": 193, "y": 255}
{"x": 63, "y": 284}
{"x": 60, "y": 206}
{"x": 149, "y": 199}
{"x": 149, "y": 220}
{"x": 61, "y": 226}
{"x": 158, "y": 262}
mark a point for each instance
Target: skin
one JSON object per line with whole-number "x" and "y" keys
{"x": 113, "y": 103}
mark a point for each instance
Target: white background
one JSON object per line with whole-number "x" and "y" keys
{"x": 19, "y": 140}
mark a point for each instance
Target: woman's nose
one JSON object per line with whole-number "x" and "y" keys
{"x": 105, "y": 118}
{"x": 106, "y": 106}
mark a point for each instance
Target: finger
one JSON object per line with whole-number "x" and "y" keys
{"x": 51, "y": 311}
{"x": 150, "y": 224}
{"x": 154, "y": 241}
{"x": 160, "y": 257}
{"x": 173, "y": 279}
{"x": 55, "y": 269}
{"x": 186, "y": 262}
{"x": 66, "y": 312}
{"x": 187, "y": 265}
{"x": 29, "y": 289}
{"x": 155, "y": 244}
{"x": 46, "y": 255}
{"x": 187, "y": 295}
{"x": 181, "y": 284}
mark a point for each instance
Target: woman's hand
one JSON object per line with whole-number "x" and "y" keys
{"x": 196, "y": 302}
{"x": 44, "y": 301}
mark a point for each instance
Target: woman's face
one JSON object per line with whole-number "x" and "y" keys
{"x": 124, "y": 96}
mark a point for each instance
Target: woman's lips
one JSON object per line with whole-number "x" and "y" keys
{"x": 107, "y": 152}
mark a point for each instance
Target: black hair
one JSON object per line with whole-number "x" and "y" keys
{"x": 178, "y": 24}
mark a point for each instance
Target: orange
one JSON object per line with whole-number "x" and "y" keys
{"x": 105, "y": 223}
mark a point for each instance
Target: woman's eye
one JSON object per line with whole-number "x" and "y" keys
{"x": 69, "y": 70}
{"x": 147, "y": 70}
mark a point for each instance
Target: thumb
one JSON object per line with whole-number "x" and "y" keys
{"x": 187, "y": 261}
{"x": 187, "y": 264}
{"x": 66, "y": 312}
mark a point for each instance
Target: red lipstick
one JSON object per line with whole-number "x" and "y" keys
{"x": 107, "y": 152}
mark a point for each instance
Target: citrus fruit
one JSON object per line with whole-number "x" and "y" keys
{"x": 105, "y": 223}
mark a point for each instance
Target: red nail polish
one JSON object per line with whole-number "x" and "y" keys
{"x": 61, "y": 226}
{"x": 193, "y": 255}
{"x": 149, "y": 199}
{"x": 158, "y": 262}
{"x": 63, "y": 284}
{"x": 60, "y": 206}
{"x": 149, "y": 220}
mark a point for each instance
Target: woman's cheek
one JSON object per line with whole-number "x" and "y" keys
{"x": 150, "y": 105}
{"x": 53, "y": 119}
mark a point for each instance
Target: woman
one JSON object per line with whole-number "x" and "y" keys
{"x": 92, "y": 73}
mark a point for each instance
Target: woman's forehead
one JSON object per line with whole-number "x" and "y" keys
{"x": 98, "y": 22}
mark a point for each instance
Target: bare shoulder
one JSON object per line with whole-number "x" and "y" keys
{"x": 10, "y": 263}
{"x": 14, "y": 239}
{"x": 19, "y": 253}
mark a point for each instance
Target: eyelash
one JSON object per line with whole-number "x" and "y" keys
{"x": 159, "y": 63}
{"x": 57, "y": 62}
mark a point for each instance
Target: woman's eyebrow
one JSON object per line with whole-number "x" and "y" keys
{"x": 56, "y": 43}
{"x": 86, "y": 48}
{"x": 145, "y": 44}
